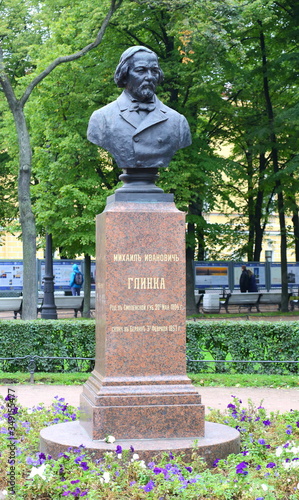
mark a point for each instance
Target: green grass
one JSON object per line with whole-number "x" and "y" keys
{"x": 201, "y": 379}
{"x": 44, "y": 378}
{"x": 245, "y": 315}
{"x": 244, "y": 380}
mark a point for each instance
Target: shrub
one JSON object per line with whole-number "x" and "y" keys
{"x": 244, "y": 340}
{"x": 47, "y": 338}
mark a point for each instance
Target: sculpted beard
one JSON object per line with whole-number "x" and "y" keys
{"x": 145, "y": 92}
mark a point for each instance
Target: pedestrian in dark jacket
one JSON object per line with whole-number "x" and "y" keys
{"x": 244, "y": 280}
{"x": 76, "y": 280}
{"x": 252, "y": 286}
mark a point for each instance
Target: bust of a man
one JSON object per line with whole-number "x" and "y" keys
{"x": 138, "y": 129}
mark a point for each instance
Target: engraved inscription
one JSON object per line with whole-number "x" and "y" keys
{"x": 146, "y": 283}
{"x": 148, "y": 257}
{"x": 161, "y": 257}
{"x": 127, "y": 257}
{"x": 147, "y": 329}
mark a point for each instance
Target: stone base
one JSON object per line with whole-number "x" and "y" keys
{"x": 141, "y": 408}
{"x": 219, "y": 441}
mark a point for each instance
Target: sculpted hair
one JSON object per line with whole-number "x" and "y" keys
{"x": 121, "y": 72}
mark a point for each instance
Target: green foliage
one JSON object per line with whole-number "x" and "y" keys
{"x": 244, "y": 340}
{"x": 47, "y": 338}
{"x": 266, "y": 468}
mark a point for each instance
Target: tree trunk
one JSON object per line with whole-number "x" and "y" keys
{"x": 295, "y": 220}
{"x": 190, "y": 299}
{"x": 87, "y": 269}
{"x": 278, "y": 185}
{"x": 27, "y": 220}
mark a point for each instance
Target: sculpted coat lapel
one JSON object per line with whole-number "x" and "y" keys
{"x": 149, "y": 143}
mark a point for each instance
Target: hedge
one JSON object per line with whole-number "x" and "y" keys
{"x": 47, "y": 338}
{"x": 218, "y": 340}
{"x": 243, "y": 340}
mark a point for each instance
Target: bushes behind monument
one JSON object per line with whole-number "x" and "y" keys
{"x": 221, "y": 340}
{"x": 47, "y": 338}
{"x": 254, "y": 341}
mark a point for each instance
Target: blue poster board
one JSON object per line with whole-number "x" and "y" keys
{"x": 257, "y": 268}
{"x": 11, "y": 275}
{"x": 211, "y": 275}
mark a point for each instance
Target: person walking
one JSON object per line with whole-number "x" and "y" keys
{"x": 76, "y": 280}
{"x": 244, "y": 280}
{"x": 252, "y": 286}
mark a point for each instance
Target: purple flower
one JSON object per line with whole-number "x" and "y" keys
{"x": 215, "y": 463}
{"x": 171, "y": 457}
{"x": 75, "y": 481}
{"x": 157, "y": 470}
{"x": 149, "y": 486}
{"x": 261, "y": 441}
{"x": 258, "y": 467}
{"x": 189, "y": 469}
{"x": 119, "y": 450}
{"x": 270, "y": 465}
{"x": 230, "y": 405}
{"x": 240, "y": 468}
{"x": 84, "y": 465}
{"x": 289, "y": 431}
{"x": 132, "y": 483}
{"x": 266, "y": 422}
{"x": 132, "y": 449}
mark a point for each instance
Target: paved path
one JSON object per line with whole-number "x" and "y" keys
{"x": 212, "y": 397}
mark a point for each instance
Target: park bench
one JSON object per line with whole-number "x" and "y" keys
{"x": 11, "y": 304}
{"x": 273, "y": 298}
{"x": 65, "y": 302}
{"x": 247, "y": 299}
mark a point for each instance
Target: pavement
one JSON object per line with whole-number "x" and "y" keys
{"x": 282, "y": 400}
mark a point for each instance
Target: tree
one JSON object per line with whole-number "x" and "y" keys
{"x": 14, "y": 62}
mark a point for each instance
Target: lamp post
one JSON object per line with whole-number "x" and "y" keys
{"x": 48, "y": 310}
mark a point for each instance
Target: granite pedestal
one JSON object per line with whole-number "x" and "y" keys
{"x": 139, "y": 391}
{"x": 139, "y": 388}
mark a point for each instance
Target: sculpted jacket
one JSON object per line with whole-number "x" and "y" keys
{"x": 150, "y": 143}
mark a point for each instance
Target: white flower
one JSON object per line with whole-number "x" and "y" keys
{"x": 4, "y": 492}
{"x": 279, "y": 451}
{"x": 135, "y": 457}
{"x": 38, "y": 471}
{"x": 264, "y": 487}
{"x": 106, "y": 477}
{"x": 119, "y": 455}
{"x": 109, "y": 439}
{"x": 142, "y": 464}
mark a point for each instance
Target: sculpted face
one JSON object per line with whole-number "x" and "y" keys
{"x": 143, "y": 76}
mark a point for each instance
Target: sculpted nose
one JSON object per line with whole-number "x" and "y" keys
{"x": 149, "y": 75}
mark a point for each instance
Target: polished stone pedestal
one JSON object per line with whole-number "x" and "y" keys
{"x": 139, "y": 388}
{"x": 139, "y": 391}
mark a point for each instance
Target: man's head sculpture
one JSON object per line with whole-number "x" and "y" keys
{"x": 138, "y": 129}
{"x": 122, "y": 69}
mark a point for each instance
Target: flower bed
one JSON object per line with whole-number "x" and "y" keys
{"x": 267, "y": 467}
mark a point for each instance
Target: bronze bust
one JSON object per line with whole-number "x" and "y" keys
{"x": 138, "y": 129}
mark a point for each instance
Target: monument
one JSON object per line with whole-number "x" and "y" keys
{"x": 139, "y": 391}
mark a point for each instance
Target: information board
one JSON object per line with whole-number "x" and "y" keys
{"x": 62, "y": 270}
{"x": 293, "y": 275}
{"x": 257, "y": 268}
{"x": 11, "y": 275}
{"x": 211, "y": 274}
